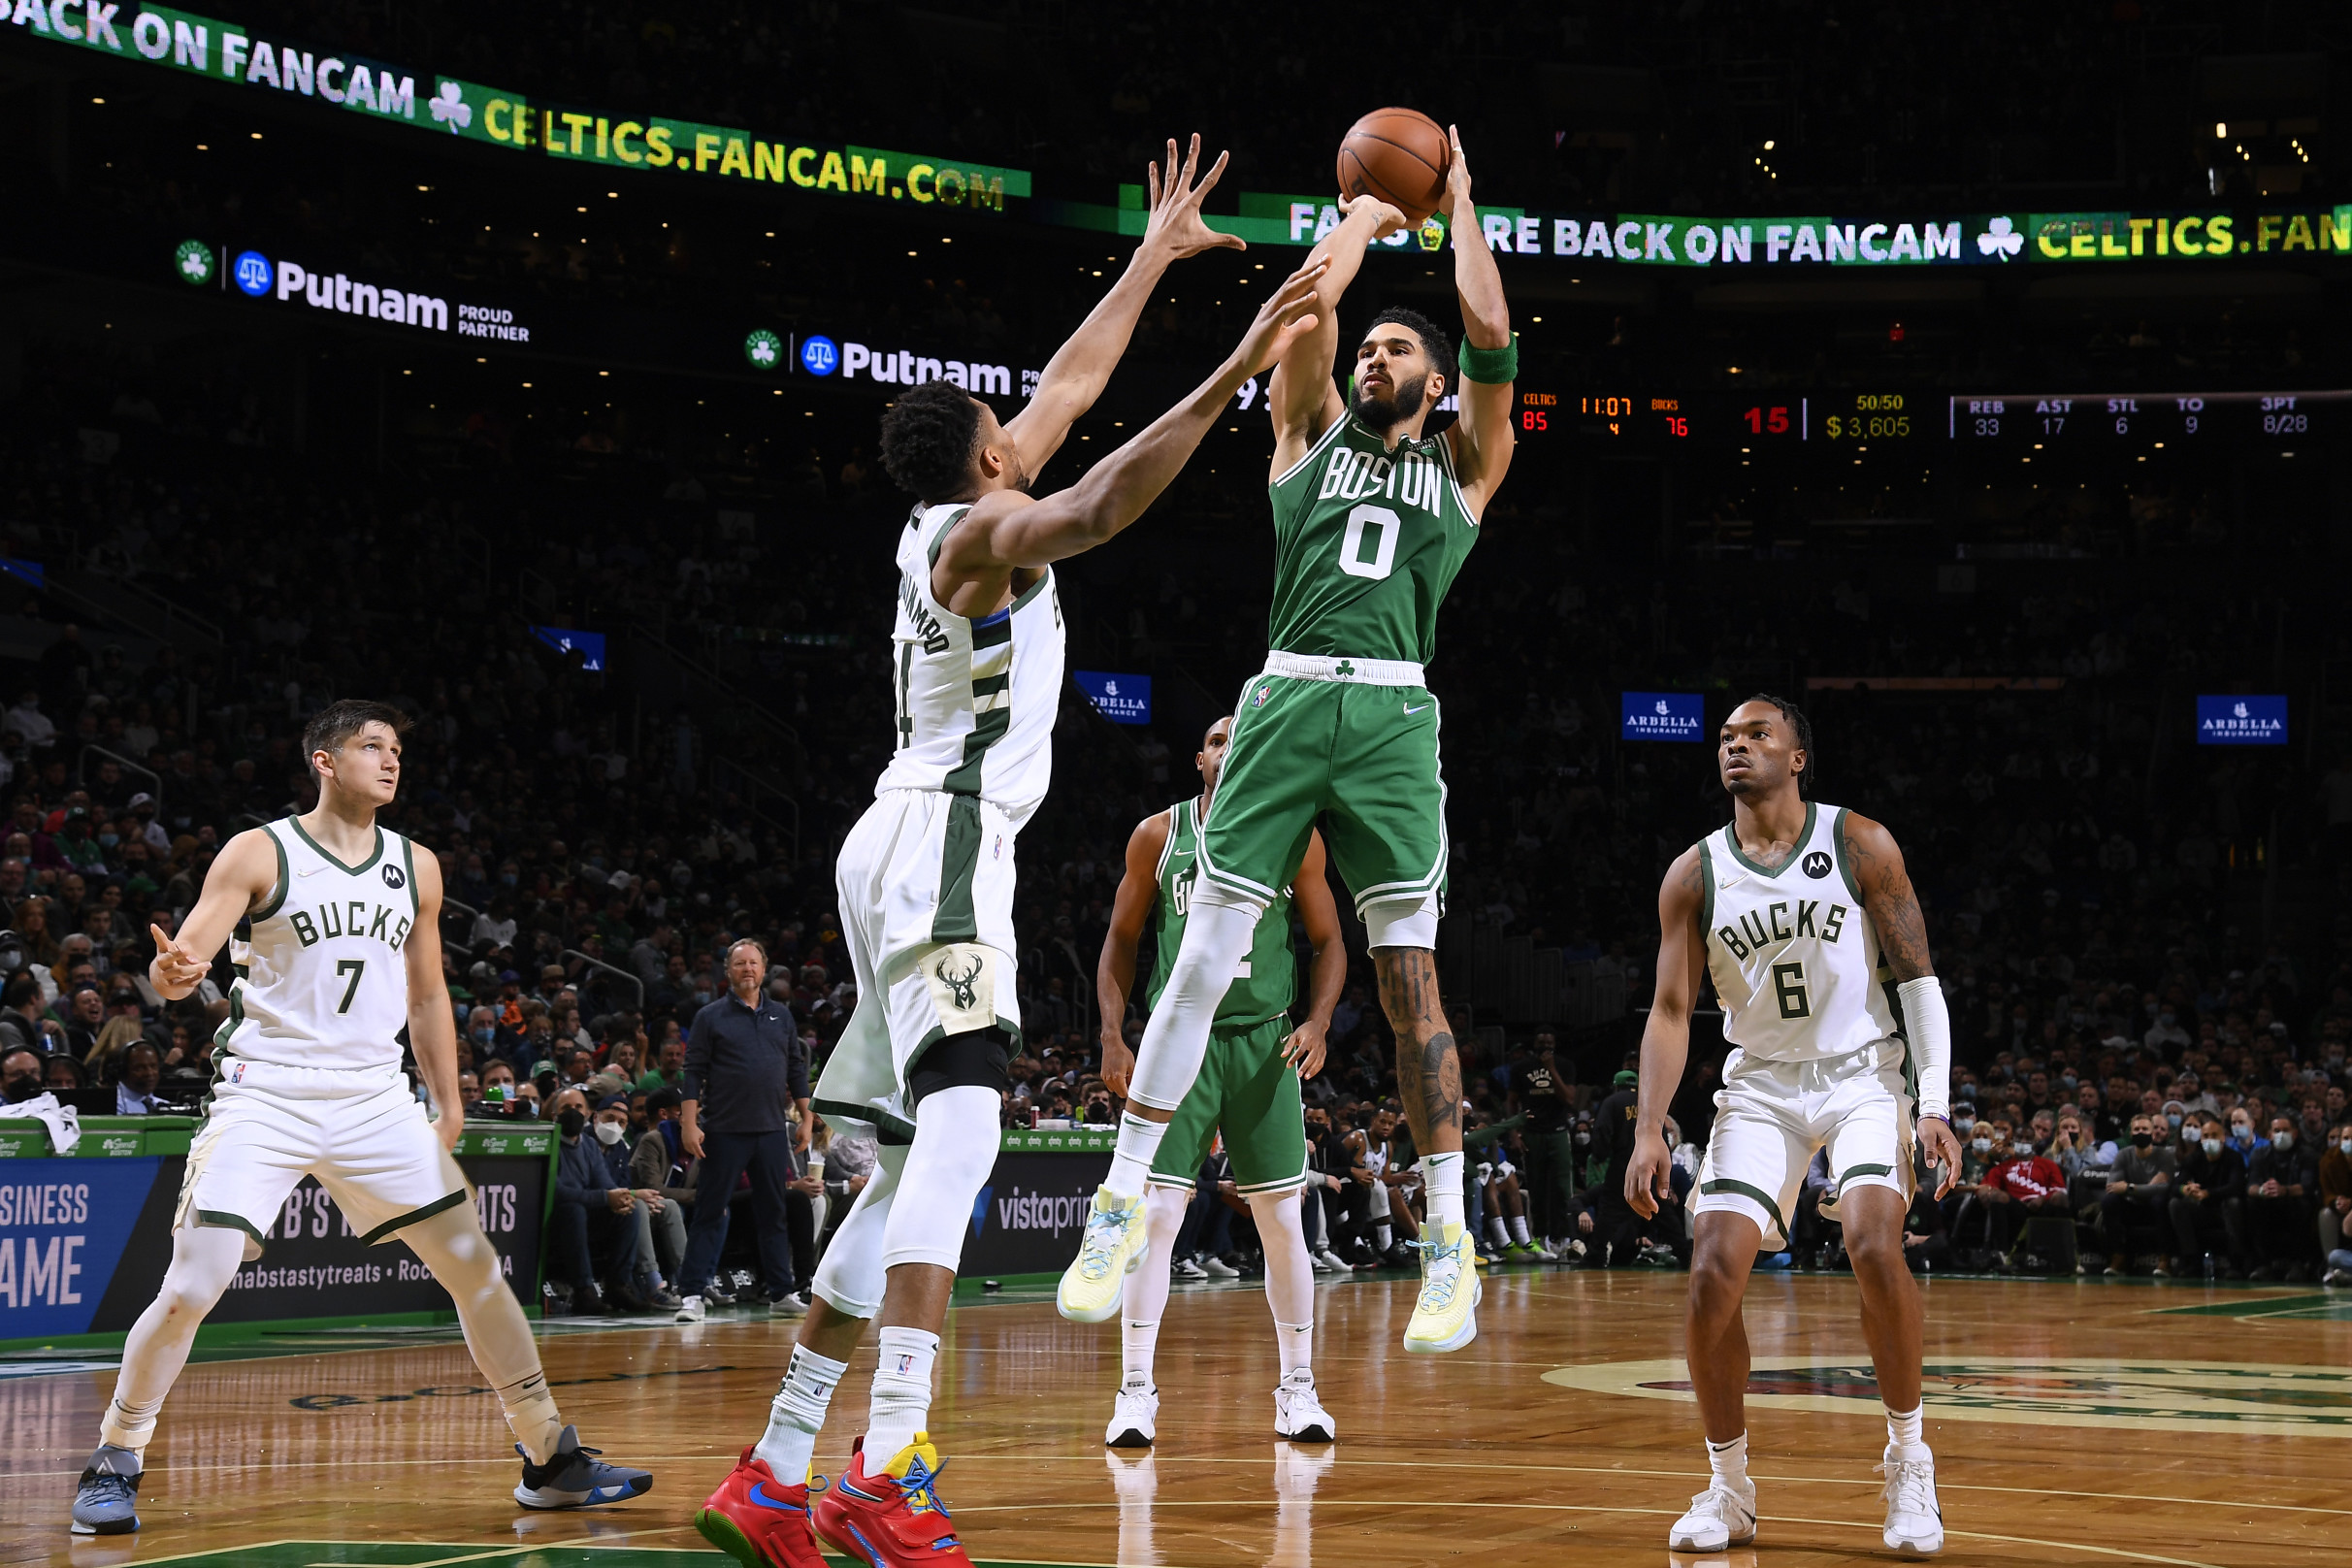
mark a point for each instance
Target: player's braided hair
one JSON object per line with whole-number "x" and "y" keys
{"x": 1434, "y": 341}
{"x": 928, "y": 437}
{"x": 338, "y": 721}
{"x": 1802, "y": 725}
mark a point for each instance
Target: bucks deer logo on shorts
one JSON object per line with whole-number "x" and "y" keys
{"x": 963, "y": 981}
{"x": 960, "y": 985}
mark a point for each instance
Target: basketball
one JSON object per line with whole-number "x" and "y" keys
{"x": 1399, "y": 155}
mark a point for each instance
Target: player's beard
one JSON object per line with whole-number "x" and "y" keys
{"x": 1383, "y": 415}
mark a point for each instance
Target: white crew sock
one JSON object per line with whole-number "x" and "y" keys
{"x": 1904, "y": 1433}
{"x": 1295, "y": 1343}
{"x": 797, "y": 1412}
{"x": 1137, "y": 1340}
{"x": 1495, "y": 1232}
{"x": 1132, "y": 1162}
{"x": 1518, "y": 1231}
{"x": 1442, "y": 1182}
{"x": 1382, "y": 1236}
{"x": 902, "y": 1392}
{"x": 1729, "y": 1462}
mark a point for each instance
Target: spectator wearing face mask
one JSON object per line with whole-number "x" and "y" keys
{"x": 2241, "y": 1134}
{"x": 610, "y": 1128}
{"x": 2334, "y": 1195}
{"x": 2031, "y": 1184}
{"x": 2282, "y": 1193}
{"x": 20, "y": 1077}
{"x": 2165, "y": 1035}
{"x": 593, "y": 1218}
{"x": 2209, "y": 1207}
{"x": 2138, "y": 1189}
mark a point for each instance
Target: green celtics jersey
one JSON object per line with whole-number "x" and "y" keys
{"x": 1366, "y": 543}
{"x": 1264, "y": 985}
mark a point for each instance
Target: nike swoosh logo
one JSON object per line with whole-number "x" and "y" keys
{"x": 309, "y": 870}
{"x": 1410, "y": 709}
{"x": 759, "y": 1495}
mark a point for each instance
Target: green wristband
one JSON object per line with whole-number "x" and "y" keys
{"x": 1492, "y": 367}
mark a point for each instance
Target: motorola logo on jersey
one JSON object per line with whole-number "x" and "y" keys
{"x": 1816, "y": 864}
{"x": 393, "y": 878}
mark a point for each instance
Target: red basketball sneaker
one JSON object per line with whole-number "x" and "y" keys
{"x": 759, "y": 1522}
{"x": 891, "y": 1518}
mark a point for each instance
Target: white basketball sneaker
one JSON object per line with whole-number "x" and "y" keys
{"x": 690, "y": 1310}
{"x": 1298, "y": 1415}
{"x": 1914, "y": 1520}
{"x": 1718, "y": 1517}
{"x": 1133, "y": 1410}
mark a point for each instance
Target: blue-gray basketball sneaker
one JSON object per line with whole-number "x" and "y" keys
{"x": 106, "y": 1500}
{"x": 574, "y": 1476}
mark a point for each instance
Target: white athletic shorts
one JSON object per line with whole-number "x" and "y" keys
{"x": 361, "y": 1133}
{"x": 1772, "y": 1117}
{"x": 926, "y": 887}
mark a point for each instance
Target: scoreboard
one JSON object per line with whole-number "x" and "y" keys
{"x": 2045, "y": 420}
{"x": 1895, "y": 421}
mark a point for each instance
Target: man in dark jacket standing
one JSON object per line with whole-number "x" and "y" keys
{"x": 745, "y": 1062}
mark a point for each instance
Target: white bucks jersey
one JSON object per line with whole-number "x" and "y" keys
{"x": 322, "y": 981}
{"x": 976, "y": 699}
{"x": 1794, "y": 958}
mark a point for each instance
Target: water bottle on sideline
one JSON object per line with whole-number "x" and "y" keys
{"x": 2208, "y": 1269}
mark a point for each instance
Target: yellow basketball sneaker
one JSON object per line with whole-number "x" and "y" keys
{"x": 1444, "y": 1314}
{"x": 1109, "y": 1251}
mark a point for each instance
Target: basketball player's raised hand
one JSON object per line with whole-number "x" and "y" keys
{"x": 1391, "y": 217}
{"x": 1279, "y": 322}
{"x": 1458, "y": 174}
{"x": 1942, "y": 1151}
{"x": 176, "y": 971}
{"x": 1175, "y": 224}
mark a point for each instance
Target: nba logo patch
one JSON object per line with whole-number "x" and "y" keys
{"x": 1266, "y": 689}
{"x": 236, "y": 1073}
{"x": 998, "y": 852}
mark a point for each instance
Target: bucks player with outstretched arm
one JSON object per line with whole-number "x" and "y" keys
{"x": 926, "y": 884}
{"x": 337, "y": 943}
{"x": 1372, "y": 519}
{"x": 1247, "y": 1088}
{"x": 1804, "y": 917}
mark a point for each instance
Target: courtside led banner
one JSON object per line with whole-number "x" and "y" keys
{"x": 2242, "y": 721}
{"x": 1664, "y": 716}
{"x": 445, "y": 106}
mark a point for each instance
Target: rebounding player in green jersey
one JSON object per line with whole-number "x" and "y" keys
{"x": 1247, "y": 1088}
{"x": 1372, "y": 519}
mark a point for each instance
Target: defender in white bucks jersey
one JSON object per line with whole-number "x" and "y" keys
{"x": 925, "y": 886}
{"x": 1803, "y": 917}
{"x": 337, "y": 950}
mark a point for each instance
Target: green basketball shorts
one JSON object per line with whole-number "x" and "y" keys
{"x": 1366, "y": 754}
{"x": 1247, "y": 1089}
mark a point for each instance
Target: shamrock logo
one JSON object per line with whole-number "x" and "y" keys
{"x": 763, "y": 349}
{"x": 449, "y": 108}
{"x": 1999, "y": 238}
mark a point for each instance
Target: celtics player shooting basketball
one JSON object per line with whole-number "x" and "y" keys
{"x": 926, "y": 881}
{"x": 1247, "y": 1090}
{"x": 1372, "y": 519}
{"x": 1803, "y": 916}
{"x": 336, "y": 946}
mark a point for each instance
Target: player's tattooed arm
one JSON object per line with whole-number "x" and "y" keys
{"x": 1429, "y": 1071}
{"x": 1666, "y": 1037}
{"x": 1115, "y": 969}
{"x": 1887, "y": 896}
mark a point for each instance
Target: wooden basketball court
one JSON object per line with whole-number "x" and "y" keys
{"x": 2073, "y": 1423}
